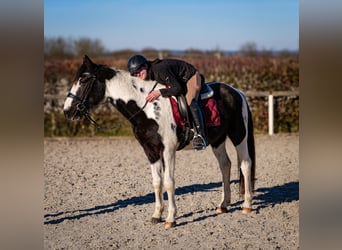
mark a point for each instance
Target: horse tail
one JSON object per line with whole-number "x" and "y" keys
{"x": 251, "y": 153}
{"x": 251, "y": 147}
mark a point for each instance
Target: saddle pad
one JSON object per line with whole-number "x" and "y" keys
{"x": 210, "y": 111}
{"x": 179, "y": 119}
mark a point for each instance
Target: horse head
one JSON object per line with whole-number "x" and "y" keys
{"x": 88, "y": 89}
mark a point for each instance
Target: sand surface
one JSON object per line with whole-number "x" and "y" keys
{"x": 99, "y": 195}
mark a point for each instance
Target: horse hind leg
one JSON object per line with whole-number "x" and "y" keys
{"x": 225, "y": 166}
{"x": 246, "y": 158}
{"x": 245, "y": 165}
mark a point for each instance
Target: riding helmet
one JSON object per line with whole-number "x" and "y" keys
{"x": 135, "y": 63}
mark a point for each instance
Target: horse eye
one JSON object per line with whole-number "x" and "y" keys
{"x": 85, "y": 77}
{"x": 83, "y": 80}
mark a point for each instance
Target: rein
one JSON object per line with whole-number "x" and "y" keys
{"x": 81, "y": 107}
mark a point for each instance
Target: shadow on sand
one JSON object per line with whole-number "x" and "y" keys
{"x": 269, "y": 196}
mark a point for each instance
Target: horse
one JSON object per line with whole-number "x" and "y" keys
{"x": 154, "y": 126}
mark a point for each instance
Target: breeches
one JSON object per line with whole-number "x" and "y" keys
{"x": 194, "y": 87}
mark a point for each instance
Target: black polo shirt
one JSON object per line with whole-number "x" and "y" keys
{"x": 173, "y": 73}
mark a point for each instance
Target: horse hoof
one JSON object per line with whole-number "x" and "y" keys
{"x": 169, "y": 225}
{"x": 155, "y": 220}
{"x": 221, "y": 210}
{"x": 246, "y": 210}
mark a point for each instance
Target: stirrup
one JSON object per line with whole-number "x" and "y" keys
{"x": 198, "y": 142}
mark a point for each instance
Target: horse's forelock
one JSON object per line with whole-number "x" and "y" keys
{"x": 80, "y": 71}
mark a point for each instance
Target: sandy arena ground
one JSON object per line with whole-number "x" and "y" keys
{"x": 99, "y": 195}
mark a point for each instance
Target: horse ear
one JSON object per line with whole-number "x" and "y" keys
{"x": 86, "y": 60}
{"x": 89, "y": 65}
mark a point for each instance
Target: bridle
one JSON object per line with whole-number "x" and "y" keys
{"x": 82, "y": 108}
{"x": 81, "y": 105}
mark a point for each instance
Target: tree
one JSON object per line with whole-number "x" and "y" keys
{"x": 58, "y": 47}
{"x": 249, "y": 49}
{"x": 87, "y": 46}
{"x": 62, "y": 48}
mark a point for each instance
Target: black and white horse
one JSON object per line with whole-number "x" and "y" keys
{"x": 155, "y": 128}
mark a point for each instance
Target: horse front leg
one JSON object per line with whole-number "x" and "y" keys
{"x": 157, "y": 182}
{"x": 225, "y": 166}
{"x": 169, "y": 184}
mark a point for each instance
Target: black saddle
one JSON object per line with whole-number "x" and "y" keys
{"x": 205, "y": 93}
{"x": 185, "y": 134}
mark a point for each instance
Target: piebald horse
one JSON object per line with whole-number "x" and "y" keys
{"x": 154, "y": 127}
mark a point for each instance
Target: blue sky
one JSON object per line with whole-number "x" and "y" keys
{"x": 176, "y": 24}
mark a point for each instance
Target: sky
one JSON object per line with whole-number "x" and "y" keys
{"x": 177, "y": 24}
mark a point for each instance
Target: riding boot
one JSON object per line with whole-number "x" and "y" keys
{"x": 199, "y": 141}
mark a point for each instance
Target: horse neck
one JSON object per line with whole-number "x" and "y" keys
{"x": 126, "y": 87}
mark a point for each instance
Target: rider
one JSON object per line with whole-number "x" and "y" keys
{"x": 180, "y": 77}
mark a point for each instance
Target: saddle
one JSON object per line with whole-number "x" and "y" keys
{"x": 181, "y": 114}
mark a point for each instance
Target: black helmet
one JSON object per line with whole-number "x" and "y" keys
{"x": 135, "y": 63}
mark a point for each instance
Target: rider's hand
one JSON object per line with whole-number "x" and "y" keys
{"x": 153, "y": 95}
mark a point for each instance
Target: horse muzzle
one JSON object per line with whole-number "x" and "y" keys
{"x": 72, "y": 116}
{"x": 76, "y": 112}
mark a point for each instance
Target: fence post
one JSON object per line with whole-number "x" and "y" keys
{"x": 270, "y": 114}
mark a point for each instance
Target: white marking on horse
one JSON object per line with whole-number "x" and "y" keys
{"x": 68, "y": 101}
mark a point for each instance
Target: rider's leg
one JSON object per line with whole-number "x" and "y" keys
{"x": 200, "y": 140}
{"x": 194, "y": 87}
